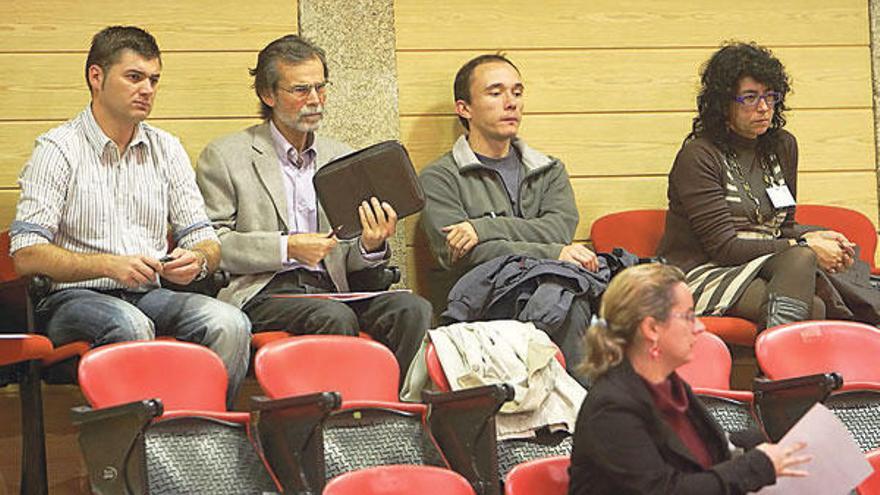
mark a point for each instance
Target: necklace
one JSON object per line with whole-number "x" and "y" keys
{"x": 732, "y": 163}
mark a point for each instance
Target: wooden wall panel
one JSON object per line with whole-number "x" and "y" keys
{"x": 567, "y": 81}
{"x": 464, "y": 24}
{"x": 646, "y": 143}
{"x": 8, "y": 199}
{"x": 192, "y": 85}
{"x": 62, "y": 25}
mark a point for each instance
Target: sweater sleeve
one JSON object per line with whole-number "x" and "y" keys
{"x": 697, "y": 176}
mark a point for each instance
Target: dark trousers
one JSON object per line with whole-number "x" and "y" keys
{"x": 790, "y": 273}
{"x": 571, "y": 338}
{"x": 398, "y": 320}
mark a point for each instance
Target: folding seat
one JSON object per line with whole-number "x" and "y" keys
{"x": 399, "y": 480}
{"x": 18, "y": 296}
{"x": 512, "y": 452}
{"x": 20, "y": 356}
{"x": 548, "y": 476}
{"x": 708, "y": 374}
{"x": 847, "y": 348}
{"x": 369, "y": 426}
{"x": 158, "y": 423}
{"x": 851, "y": 223}
{"x": 637, "y": 231}
{"x": 640, "y": 232}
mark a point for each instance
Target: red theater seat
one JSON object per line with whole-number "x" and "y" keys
{"x": 851, "y": 223}
{"x": 399, "y": 480}
{"x": 871, "y": 485}
{"x": 809, "y": 347}
{"x": 640, "y": 232}
{"x": 548, "y": 476}
{"x": 158, "y": 423}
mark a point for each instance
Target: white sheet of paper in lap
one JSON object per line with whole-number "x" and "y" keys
{"x": 838, "y": 464}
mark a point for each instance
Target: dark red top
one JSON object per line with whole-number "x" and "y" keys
{"x": 672, "y": 402}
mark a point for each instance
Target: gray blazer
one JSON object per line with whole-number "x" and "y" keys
{"x": 240, "y": 178}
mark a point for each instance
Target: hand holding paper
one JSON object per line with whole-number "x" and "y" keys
{"x": 837, "y": 464}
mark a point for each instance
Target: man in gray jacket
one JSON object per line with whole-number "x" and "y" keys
{"x": 493, "y": 195}
{"x": 275, "y": 238}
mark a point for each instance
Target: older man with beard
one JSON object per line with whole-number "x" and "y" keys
{"x": 275, "y": 239}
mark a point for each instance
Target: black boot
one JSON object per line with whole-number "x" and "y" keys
{"x": 784, "y": 309}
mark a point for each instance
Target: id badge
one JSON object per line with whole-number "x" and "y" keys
{"x": 780, "y": 196}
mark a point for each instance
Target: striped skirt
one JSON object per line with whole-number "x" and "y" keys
{"x": 717, "y": 288}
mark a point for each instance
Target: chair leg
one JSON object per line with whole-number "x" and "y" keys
{"x": 33, "y": 444}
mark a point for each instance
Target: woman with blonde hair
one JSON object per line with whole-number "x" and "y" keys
{"x": 641, "y": 429}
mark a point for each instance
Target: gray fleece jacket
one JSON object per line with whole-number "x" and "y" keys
{"x": 458, "y": 188}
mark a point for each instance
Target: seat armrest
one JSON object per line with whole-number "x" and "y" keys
{"x": 779, "y": 404}
{"x": 288, "y": 434}
{"x": 112, "y": 443}
{"x": 463, "y": 424}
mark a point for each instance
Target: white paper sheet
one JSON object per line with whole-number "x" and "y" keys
{"x": 838, "y": 465}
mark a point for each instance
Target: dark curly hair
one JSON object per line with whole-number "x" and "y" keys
{"x": 720, "y": 77}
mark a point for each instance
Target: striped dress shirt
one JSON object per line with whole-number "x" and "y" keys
{"x": 78, "y": 193}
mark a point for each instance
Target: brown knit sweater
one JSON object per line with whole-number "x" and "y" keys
{"x": 700, "y": 224}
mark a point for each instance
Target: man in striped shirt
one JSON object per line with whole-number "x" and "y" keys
{"x": 97, "y": 198}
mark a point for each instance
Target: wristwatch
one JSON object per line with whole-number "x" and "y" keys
{"x": 203, "y": 269}
{"x": 801, "y": 242}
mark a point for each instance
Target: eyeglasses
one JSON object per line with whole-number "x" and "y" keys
{"x": 752, "y": 99}
{"x": 304, "y": 90}
{"x": 688, "y": 316}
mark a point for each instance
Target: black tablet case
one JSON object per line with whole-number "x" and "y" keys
{"x": 383, "y": 170}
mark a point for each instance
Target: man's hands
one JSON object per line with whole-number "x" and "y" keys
{"x": 460, "y": 239}
{"x": 184, "y": 266}
{"x": 834, "y": 252}
{"x": 310, "y": 248}
{"x": 134, "y": 271}
{"x": 580, "y": 255}
{"x": 378, "y": 221}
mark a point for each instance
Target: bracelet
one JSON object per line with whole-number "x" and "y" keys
{"x": 203, "y": 267}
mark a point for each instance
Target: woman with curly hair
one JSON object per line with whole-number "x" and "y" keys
{"x": 730, "y": 224}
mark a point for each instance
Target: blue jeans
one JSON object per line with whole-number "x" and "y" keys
{"x": 120, "y": 316}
